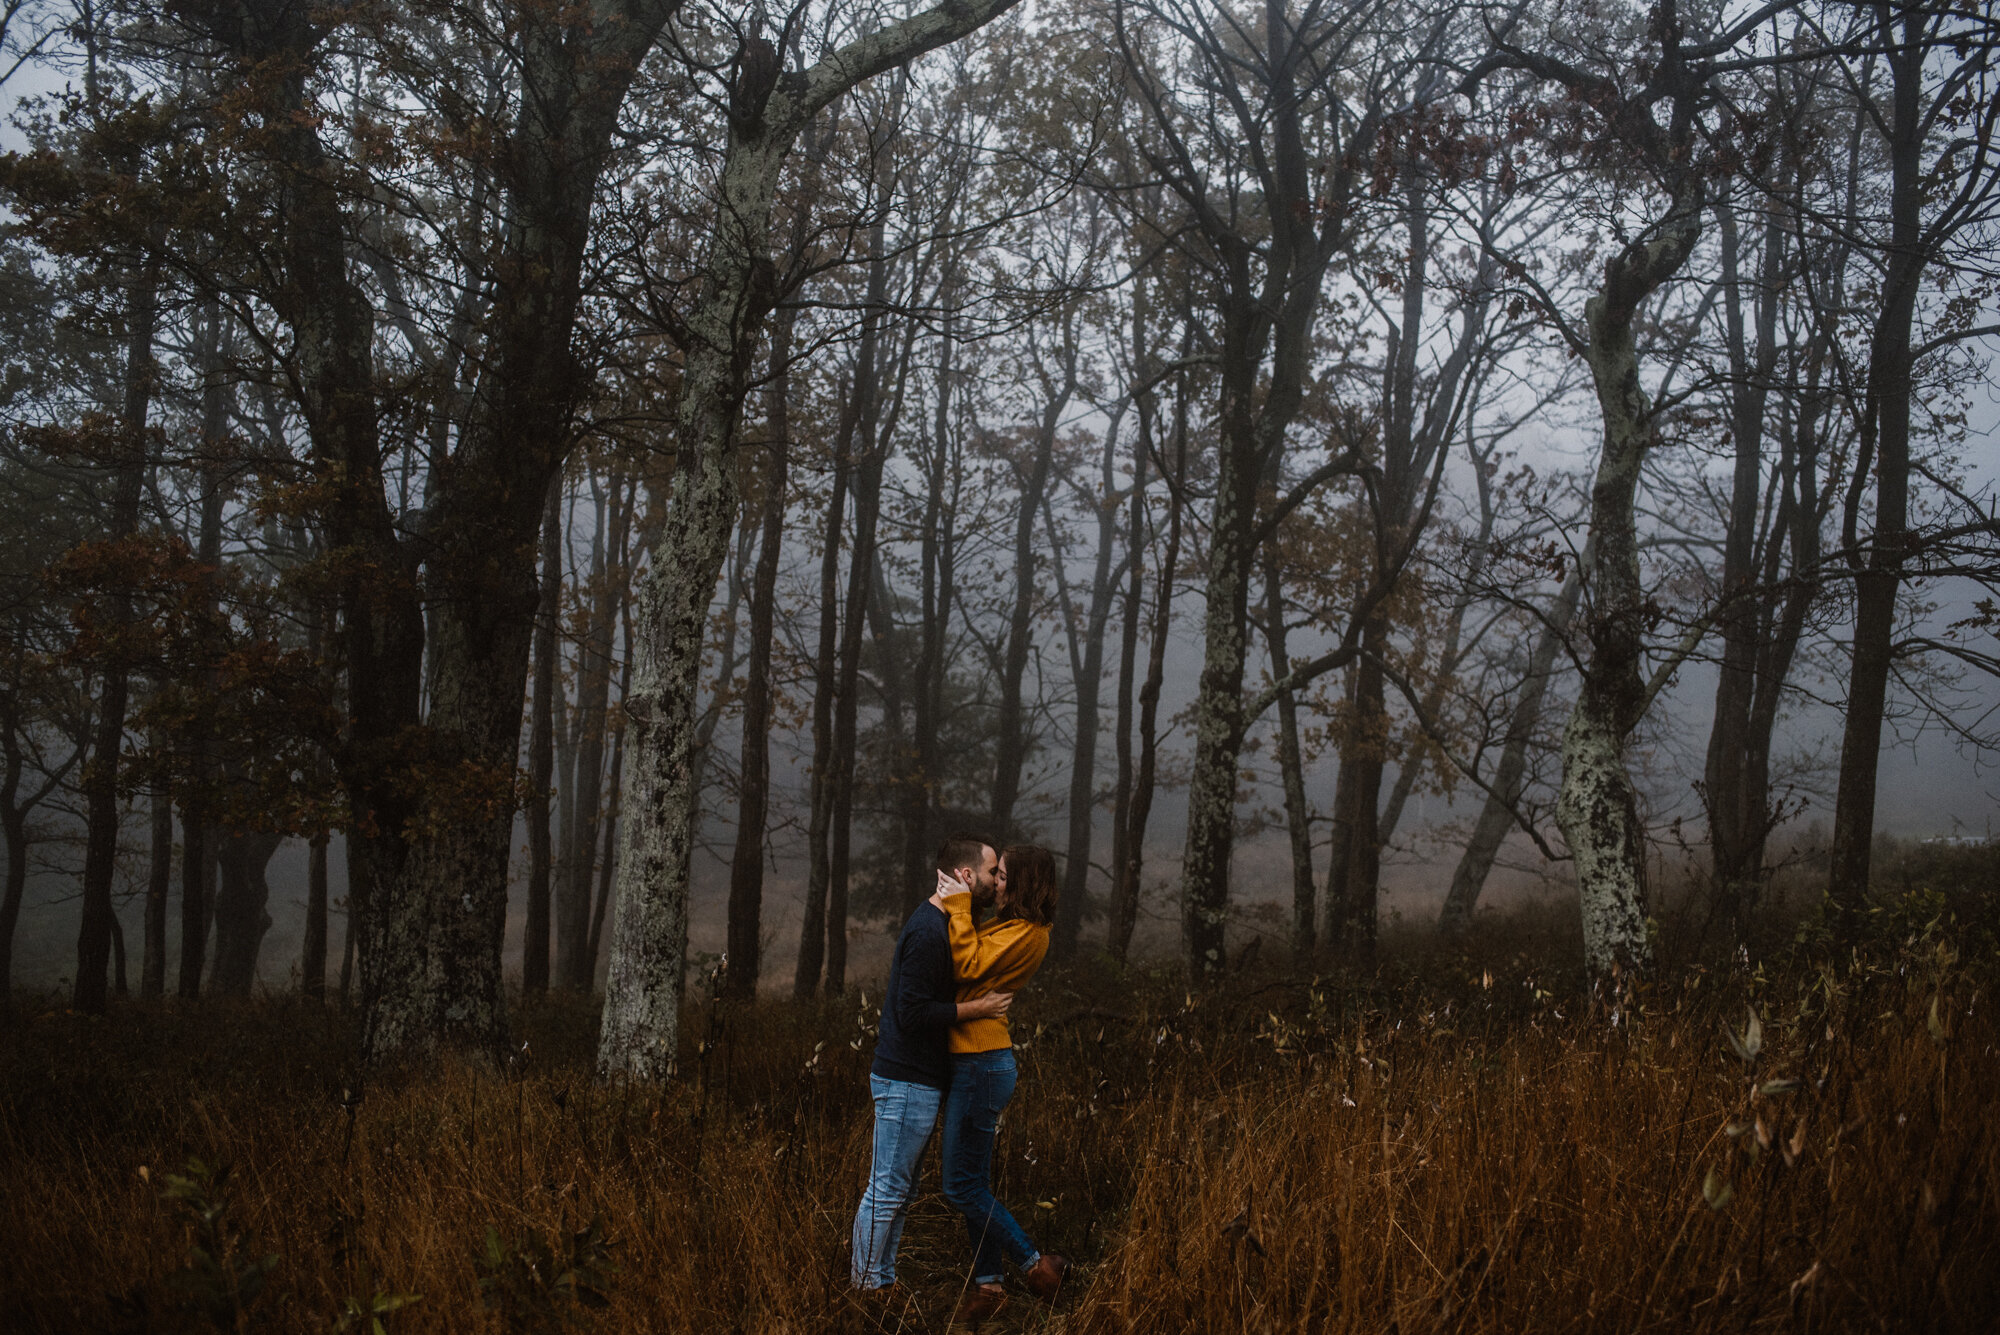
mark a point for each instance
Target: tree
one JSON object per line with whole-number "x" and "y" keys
{"x": 432, "y": 856}
{"x": 1646, "y": 132}
{"x": 1267, "y": 210}
{"x": 769, "y": 109}
{"x": 1938, "y": 135}
{"x": 44, "y": 716}
{"x": 541, "y": 751}
{"x": 1780, "y": 359}
{"x": 1421, "y": 409}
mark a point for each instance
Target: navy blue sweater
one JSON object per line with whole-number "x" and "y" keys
{"x": 920, "y": 1005}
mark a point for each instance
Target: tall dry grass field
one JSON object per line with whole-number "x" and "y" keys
{"x": 1484, "y": 1151}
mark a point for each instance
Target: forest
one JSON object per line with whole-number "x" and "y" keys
{"x": 1437, "y": 515}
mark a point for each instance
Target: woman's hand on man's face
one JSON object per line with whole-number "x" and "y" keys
{"x": 947, "y": 885}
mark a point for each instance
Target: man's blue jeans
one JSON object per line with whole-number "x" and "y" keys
{"x": 981, "y": 1084}
{"x": 905, "y": 1112}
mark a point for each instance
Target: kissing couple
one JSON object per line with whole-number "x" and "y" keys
{"x": 943, "y": 1045}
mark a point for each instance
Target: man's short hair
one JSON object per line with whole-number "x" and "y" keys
{"x": 961, "y": 849}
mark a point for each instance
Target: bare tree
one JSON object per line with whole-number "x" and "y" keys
{"x": 1938, "y": 136}
{"x": 769, "y": 109}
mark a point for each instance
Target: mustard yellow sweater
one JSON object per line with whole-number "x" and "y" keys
{"x": 999, "y": 957}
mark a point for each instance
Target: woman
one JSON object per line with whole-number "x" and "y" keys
{"x": 1000, "y": 957}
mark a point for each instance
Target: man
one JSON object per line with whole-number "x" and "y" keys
{"x": 912, "y": 1068}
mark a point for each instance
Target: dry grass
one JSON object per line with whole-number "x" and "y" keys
{"x": 1450, "y": 1156}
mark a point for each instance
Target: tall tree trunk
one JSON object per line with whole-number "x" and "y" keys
{"x": 1219, "y": 714}
{"x": 1598, "y": 805}
{"x": 921, "y": 831}
{"x": 159, "y": 882}
{"x": 819, "y": 819}
{"x": 854, "y": 621}
{"x": 242, "y": 914}
{"x": 1496, "y": 815}
{"x": 608, "y": 565}
{"x": 1736, "y": 773}
{"x": 1885, "y": 429}
{"x": 1291, "y": 773}
{"x": 1411, "y": 446}
{"x": 16, "y": 833}
{"x": 1273, "y": 313}
{"x": 746, "y": 864}
{"x": 1087, "y": 666}
{"x": 641, "y": 1025}
{"x": 1010, "y": 746}
{"x": 200, "y": 839}
{"x": 434, "y": 955}
{"x": 332, "y": 327}
{"x": 541, "y": 750}
{"x": 1354, "y": 876}
{"x": 583, "y": 765}
{"x": 608, "y": 862}
{"x": 1131, "y": 611}
{"x": 641, "y": 1028}
{"x": 1783, "y": 616}
{"x": 1125, "y": 893}
{"x": 349, "y": 937}
{"x": 566, "y": 735}
{"x": 312, "y": 958}
{"x": 1122, "y": 789}
{"x": 100, "y": 777}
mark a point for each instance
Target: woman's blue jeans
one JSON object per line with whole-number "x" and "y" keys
{"x": 981, "y": 1084}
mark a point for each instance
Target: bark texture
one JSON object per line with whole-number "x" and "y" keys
{"x": 541, "y": 752}
{"x": 1598, "y": 805}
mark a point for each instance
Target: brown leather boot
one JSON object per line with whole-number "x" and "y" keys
{"x": 1044, "y": 1278}
{"x": 981, "y": 1304}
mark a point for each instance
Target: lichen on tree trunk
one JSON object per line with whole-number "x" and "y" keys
{"x": 649, "y": 919}
{"x": 1218, "y": 716}
{"x": 1597, "y": 807}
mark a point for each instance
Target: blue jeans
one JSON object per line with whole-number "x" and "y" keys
{"x": 905, "y": 1112}
{"x": 981, "y": 1084}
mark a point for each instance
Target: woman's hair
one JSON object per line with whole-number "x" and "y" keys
{"x": 1031, "y": 883}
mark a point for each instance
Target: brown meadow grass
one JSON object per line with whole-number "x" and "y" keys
{"x": 1458, "y": 1146}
